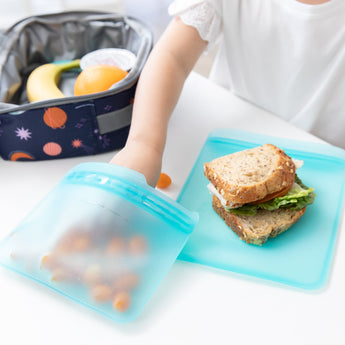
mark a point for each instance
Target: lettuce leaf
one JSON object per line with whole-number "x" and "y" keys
{"x": 297, "y": 197}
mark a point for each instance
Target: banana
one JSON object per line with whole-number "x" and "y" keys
{"x": 43, "y": 81}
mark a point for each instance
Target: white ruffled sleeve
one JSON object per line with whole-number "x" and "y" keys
{"x": 200, "y": 14}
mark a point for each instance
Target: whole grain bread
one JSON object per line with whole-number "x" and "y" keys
{"x": 258, "y": 228}
{"x": 250, "y": 175}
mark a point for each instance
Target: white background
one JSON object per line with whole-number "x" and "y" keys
{"x": 153, "y": 12}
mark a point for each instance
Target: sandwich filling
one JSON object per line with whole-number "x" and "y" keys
{"x": 297, "y": 197}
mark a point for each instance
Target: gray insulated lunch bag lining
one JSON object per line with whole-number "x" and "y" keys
{"x": 69, "y": 126}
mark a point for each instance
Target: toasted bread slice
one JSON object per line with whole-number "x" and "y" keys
{"x": 258, "y": 228}
{"x": 251, "y": 175}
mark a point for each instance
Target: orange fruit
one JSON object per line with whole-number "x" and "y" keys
{"x": 97, "y": 78}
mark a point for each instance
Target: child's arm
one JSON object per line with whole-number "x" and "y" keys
{"x": 158, "y": 90}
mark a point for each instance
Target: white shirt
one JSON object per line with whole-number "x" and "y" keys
{"x": 282, "y": 55}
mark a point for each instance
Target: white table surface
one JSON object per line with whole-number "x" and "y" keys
{"x": 194, "y": 304}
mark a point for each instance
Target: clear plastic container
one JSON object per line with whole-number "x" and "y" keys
{"x": 102, "y": 237}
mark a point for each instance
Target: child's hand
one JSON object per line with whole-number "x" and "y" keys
{"x": 158, "y": 90}
{"x": 141, "y": 158}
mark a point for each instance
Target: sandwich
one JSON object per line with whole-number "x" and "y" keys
{"x": 257, "y": 192}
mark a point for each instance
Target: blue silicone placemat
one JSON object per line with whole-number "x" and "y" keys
{"x": 301, "y": 256}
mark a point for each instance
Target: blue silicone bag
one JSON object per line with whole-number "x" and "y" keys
{"x": 300, "y": 257}
{"x": 101, "y": 237}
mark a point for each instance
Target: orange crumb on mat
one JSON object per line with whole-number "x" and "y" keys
{"x": 164, "y": 181}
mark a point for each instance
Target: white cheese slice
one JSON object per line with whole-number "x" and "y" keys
{"x": 225, "y": 203}
{"x": 298, "y": 163}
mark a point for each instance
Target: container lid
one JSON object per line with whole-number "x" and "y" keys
{"x": 122, "y": 58}
{"x": 132, "y": 186}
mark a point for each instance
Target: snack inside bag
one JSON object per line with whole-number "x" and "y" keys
{"x": 101, "y": 237}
